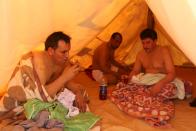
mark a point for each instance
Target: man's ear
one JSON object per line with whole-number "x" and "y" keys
{"x": 50, "y": 51}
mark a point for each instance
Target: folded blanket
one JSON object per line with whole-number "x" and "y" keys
{"x": 150, "y": 79}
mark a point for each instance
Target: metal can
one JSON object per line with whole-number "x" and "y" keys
{"x": 103, "y": 92}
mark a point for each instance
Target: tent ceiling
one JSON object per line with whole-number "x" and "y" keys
{"x": 25, "y": 24}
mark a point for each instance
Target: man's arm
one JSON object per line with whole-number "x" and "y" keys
{"x": 119, "y": 65}
{"x": 169, "y": 66}
{"x": 56, "y": 85}
{"x": 81, "y": 98}
{"x": 170, "y": 72}
{"x": 104, "y": 61}
{"x": 74, "y": 87}
{"x": 114, "y": 62}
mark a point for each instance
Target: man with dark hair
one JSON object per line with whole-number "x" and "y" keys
{"x": 52, "y": 40}
{"x": 154, "y": 59}
{"x": 104, "y": 64}
{"x": 43, "y": 74}
{"x": 58, "y": 68}
{"x": 148, "y": 33}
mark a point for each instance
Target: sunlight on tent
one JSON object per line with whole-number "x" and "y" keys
{"x": 192, "y": 4}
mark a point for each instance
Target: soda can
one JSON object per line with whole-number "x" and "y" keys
{"x": 103, "y": 92}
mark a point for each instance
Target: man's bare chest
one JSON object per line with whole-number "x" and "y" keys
{"x": 153, "y": 62}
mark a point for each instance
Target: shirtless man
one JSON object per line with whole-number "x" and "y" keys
{"x": 54, "y": 70}
{"x": 41, "y": 75}
{"x": 154, "y": 59}
{"x": 103, "y": 59}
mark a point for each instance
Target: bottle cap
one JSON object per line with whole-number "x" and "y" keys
{"x": 103, "y": 81}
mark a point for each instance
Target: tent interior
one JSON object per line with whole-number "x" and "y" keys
{"x": 25, "y": 24}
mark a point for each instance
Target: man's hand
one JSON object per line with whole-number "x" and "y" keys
{"x": 80, "y": 101}
{"x": 70, "y": 72}
{"x": 154, "y": 90}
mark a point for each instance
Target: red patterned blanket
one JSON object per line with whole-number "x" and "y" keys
{"x": 135, "y": 100}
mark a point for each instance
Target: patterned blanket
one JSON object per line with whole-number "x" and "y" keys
{"x": 23, "y": 85}
{"x": 135, "y": 100}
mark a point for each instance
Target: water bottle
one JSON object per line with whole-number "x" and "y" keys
{"x": 103, "y": 90}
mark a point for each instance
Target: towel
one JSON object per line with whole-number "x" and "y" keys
{"x": 150, "y": 79}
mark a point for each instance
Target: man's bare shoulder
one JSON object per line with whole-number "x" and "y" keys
{"x": 100, "y": 49}
{"x": 38, "y": 53}
{"x": 43, "y": 65}
{"x": 42, "y": 59}
{"x": 39, "y": 56}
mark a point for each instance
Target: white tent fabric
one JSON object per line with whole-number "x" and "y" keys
{"x": 179, "y": 20}
{"x": 25, "y": 24}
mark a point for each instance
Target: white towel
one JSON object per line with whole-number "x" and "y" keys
{"x": 150, "y": 79}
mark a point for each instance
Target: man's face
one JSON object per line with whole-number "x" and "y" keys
{"x": 115, "y": 43}
{"x": 61, "y": 53}
{"x": 148, "y": 44}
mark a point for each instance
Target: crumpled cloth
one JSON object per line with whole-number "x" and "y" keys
{"x": 81, "y": 122}
{"x": 67, "y": 98}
